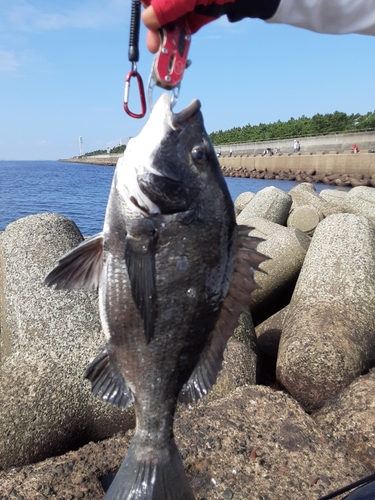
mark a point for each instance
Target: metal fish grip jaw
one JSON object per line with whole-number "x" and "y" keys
{"x": 171, "y": 60}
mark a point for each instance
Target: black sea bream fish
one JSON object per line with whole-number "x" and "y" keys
{"x": 174, "y": 272}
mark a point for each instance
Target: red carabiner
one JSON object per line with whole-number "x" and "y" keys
{"x": 134, "y": 73}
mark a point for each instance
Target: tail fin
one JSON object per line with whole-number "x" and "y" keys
{"x": 160, "y": 477}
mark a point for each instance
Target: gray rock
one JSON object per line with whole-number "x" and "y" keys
{"x": 239, "y": 369}
{"x": 335, "y": 197}
{"x": 287, "y": 248}
{"x": 303, "y": 186}
{"x": 47, "y": 339}
{"x": 260, "y": 444}
{"x": 361, "y": 201}
{"x": 304, "y": 218}
{"x": 303, "y": 196}
{"x": 270, "y": 203}
{"x": 257, "y": 443}
{"x": 349, "y": 419}
{"x": 242, "y": 200}
{"x": 245, "y": 331}
{"x": 328, "y": 337}
{"x": 240, "y": 366}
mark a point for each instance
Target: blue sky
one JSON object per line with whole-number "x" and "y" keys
{"x": 63, "y": 66}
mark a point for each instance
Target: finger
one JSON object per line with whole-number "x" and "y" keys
{"x": 152, "y": 41}
{"x": 149, "y": 19}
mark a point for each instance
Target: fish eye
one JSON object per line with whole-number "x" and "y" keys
{"x": 199, "y": 155}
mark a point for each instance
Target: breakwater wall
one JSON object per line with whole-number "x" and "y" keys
{"x": 342, "y": 169}
{"x": 334, "y": 142}
{"x": 106, "y": 159}
{"x": 335, "y": 163}
{"x": 339, "y": 169}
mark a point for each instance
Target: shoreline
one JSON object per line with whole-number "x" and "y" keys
{"x": 103, "y": 160}
{"x": 344, "y": 169}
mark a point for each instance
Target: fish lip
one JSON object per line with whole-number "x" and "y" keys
{"x": 181, "y": 119}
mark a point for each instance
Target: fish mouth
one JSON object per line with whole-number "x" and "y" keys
{"x": 181, "y": 119}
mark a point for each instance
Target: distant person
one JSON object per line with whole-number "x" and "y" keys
{"x": 298, "y": 147}
{"x": 322, "y": 16}
{"x": 267, "y": 152}
{"x": 355, "y": 148}
{"x": 219, "y": 152}
{"x": 295, "y": 146}
{"x": 230, "y": 151}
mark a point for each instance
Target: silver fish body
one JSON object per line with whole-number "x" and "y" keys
{"x": 174, "y": 272}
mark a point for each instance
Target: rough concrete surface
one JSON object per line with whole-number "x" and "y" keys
{"x": 328, "y": 337}
{"x": 251, "y": 444}
{"x": 47, "y": 339}
{"x": 361, "y": 201}
{"x": 349, "y": 419}
{"x": 242, "y": 200}
{"x": 287, "y": 248}
{"x": 303, "y": 197}
{"x": 270, "y": 203}
{"x": 336, "y": 197}
{"x": 304, "y": 218}
{"x": 256, "y": 444}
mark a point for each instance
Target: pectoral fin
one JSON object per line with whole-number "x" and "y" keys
{"x": 237, "y": 299}
{"x": 140, "y": 262}
{"x": 79, "y": 268}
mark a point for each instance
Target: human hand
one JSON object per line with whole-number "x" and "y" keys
{"x": 151, "y": 22}
{"x": 158, "y": 13}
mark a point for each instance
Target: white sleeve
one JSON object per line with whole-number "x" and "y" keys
{"x": 328, "y": 16}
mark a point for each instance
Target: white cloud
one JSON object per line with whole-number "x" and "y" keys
{"x": 12, "y": 61}
{"x": 40, "y": 15}
{"x": 8, "y": 62}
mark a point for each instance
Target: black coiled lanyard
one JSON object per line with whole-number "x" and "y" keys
{"x": 133, "y": 56}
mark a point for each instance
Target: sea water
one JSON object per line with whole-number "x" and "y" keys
{"x": 78, "y": 191}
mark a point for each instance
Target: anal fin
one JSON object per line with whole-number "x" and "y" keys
{"x": 106, "y": 378}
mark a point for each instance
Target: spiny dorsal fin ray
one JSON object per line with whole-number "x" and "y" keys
{"x": 79, "y": 268}
{"x": 237, "y": 299}
{"x": 105, "y": 377}
{"x": 140, "y": 262}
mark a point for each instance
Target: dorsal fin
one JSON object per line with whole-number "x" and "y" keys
{"x": 79, "y": 268}
{"x": 237, "y": 299}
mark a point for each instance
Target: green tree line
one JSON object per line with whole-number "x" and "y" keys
{"x": 301, "y": 127}
{"x": 116, "y": 149}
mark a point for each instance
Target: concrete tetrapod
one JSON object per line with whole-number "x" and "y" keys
{"x": 270, "y": 203}
{"x": 287, "y": 248}
{"x": 328, "y": 337}
{"x": 47, "y": 339}
{"x": 242, "y": 200}
{"x": 361, "y": 201}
